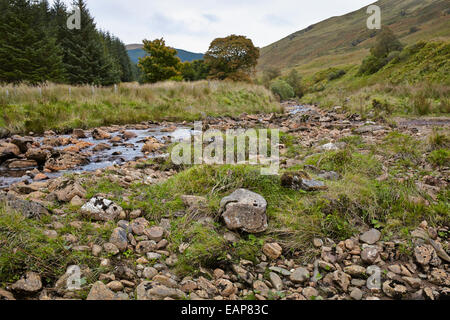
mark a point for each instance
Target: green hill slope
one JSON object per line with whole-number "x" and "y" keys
{"x": 345, "y": 40}
{"x": 416, "y": 82}
{"x": 135, "y": 52}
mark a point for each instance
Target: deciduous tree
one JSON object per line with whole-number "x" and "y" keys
{"x": 161, "y": 63}
{"x": 234, "y": 58}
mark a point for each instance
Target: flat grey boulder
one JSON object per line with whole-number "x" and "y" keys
{"x": 101, "y": 209}
{"x": 371, "y": 236}
{"x": 244, "y": 210}
{"x": 152, "y": 291}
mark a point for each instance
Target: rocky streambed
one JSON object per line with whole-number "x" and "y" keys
{"x": 139, "y": 255}
{"x": 36, "y": 158}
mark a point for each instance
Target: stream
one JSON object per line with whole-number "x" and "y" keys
{"x": 119, "y": 153}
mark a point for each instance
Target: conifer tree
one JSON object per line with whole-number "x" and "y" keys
{"x": 27, "y": 51}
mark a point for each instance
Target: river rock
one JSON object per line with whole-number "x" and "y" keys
{"x": 20, "y": 164}
{"x": 129, "y": 135}
{"x": 244, "y": 210}
{"x": 79, "y": 134}
{"x": 139, "y": 225}
{"x": 30, "y": 282}
{"x": 101, "y": 147}
{"x": 101, "y": 209}
{"x": 100, "y": 291}
{"x": 272, "y": 250}
{"x": 119, "y": 239}
{"x": 369, "y": 255}
{"x": 8, "y": 151}
{"x": 394, "y": 290}
{"x": 67, "y": 190}
{"x": 151, "y": 146}
{"x": 276, "y": 281}
{"x": 37, "y": 154}
{"x": 151, "y": 291}
{"x": 371, "y": 236}
{"x": 22, "y": 142}
{"x": 6, "y": 295}
{"x": 99, "y": 134}
{"x": 155, "y": 233}
{"x": 300, "y": 275}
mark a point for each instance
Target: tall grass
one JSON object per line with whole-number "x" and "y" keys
{"x": 62, "y": 108}
{"x": 397, "y": 99}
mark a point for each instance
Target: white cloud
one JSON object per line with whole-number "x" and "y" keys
{"x": 192, "y": 25}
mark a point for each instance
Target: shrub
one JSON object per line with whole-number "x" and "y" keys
{"x": 371, "y": 65}
{"x": 282, "y": 89}
{"x": 444, "y": 105}
{"x": 440, "y": 157}
{"x": 421, "y": 105}
{"x": 295, "y": 81}
{"x": 336, "y": 74}
{"x": 438, "y": 140}
{"x": 269, "y": 74}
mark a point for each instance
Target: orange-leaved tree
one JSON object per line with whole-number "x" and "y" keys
{"x": 232, "y": 58}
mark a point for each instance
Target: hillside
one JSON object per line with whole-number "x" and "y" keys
{"x": 414, "y": 83}
{"x": 135, "y": 52}
{"x": 345, "y": 40}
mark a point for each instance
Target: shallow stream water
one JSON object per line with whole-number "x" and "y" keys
{"x": 119, "y": 153}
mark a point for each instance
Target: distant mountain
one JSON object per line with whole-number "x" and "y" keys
{"x": 345, "y": 40}
{"x": 136, "y": 51}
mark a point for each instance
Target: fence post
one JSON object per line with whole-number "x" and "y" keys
{"x": 115, "y": 88}
{"x": 7, "y": 93}
{"x": 40, "y": 92}
{"x": 70, "y": 91}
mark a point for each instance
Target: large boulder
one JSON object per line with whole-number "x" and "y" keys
{"x": 101, "y": 209}
{"x": 22, "y": 142}
{"x": 65, "y": 189}
{"x": 244, "y": 210}
{"x": 8, "y": 151}
{"x": 99, "y": 134}
{"x": 20, "y": 164}
{"x": 151, "y": 145}
{"x": 78, "y": 133}
{"x": 37, "y": 154}
{"x": 60, "y": 160}
{"x": 70, "y": 191}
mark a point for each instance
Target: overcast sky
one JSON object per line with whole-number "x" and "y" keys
{"x": 192, "y": 24}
